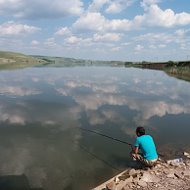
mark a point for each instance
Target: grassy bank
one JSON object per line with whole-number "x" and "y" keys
{"x": 178, "y": 69}
{"x": 12, "y": 60}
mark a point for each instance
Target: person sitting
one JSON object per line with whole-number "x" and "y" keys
{"x": 146, "y": 144}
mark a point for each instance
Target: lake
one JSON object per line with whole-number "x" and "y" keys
{"x": 42, "y": 111}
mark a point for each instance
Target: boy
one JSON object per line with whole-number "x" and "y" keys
{"x": 146, "y": 144}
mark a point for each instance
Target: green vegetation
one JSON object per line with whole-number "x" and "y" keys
{"x": 11, "y": 60}
{"x": 180, "y": 72}
{"x": 178, "y": 69}
{"x": 70, "y": 62}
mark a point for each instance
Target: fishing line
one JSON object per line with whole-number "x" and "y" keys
{"x": 82, "y": 147}
{"x": 98, "y": 158}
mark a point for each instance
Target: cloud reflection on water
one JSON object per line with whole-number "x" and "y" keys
{"x": 148, "y": 93}
{"x": 54, "y": 101}
{"x": 18, "y": 91}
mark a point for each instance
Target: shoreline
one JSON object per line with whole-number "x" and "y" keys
{"x": 166, "y": 175}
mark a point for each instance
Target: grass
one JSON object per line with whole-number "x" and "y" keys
{"x": 12, "y": 60}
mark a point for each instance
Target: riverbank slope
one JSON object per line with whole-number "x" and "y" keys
{"x": 12, "y": 60}
{"x": 168, "y": 175}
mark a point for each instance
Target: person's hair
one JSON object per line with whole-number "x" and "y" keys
{"x": 140, "y": 131}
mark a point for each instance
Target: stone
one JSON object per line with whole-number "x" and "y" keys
{"x": 116, "y": 180}
{"x": 158, "y": 166}
{"x": 111, "y": 185}
{"x": 142, "y": 184}
{"x": 186, "y": 154}
{"x": 186, "y": 172}
{"x": 124, "y": 176}
{"x": 178, "y": 174}
{"x": 129, "y": 180}
{"x": 135, "y": 179}
{"x": 149, "y": 178}
{"x": 170, "y": 174}
{"x": 132, "y": 172}
{"x": 122, "y": 184}
{"x": 187, "y": 163}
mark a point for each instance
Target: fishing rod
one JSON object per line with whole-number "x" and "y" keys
{"x": 109, "y": 137}
{"x": 112, "y": 138}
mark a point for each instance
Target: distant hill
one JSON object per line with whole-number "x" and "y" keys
{"x": 12, "y": 60}
{"x": 9, "y": 60}
{"x": 64, "y": 61}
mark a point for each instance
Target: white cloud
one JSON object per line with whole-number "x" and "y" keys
{"x": 110, "y": 6}
{"x": 118, "y": 5}
{"x": 10, "y": 116}
{"x": 113, "y": 8}
{"x": 64, "y": 31}
{"x": 161, "y": 40}
{"x": 159, "y": 108}
{"x": 97, "y": 22}
{"x": 91, "y": 21}
{"x": 40, "y": 9}
{"x": 183, "y": 33}
{"x": 95, "y": 118}
{"x": 115, "y": 48}
{"x": 50, "y": 43}
{"x": 152, "y": 46}
{"x": 153, "y": 16}
{"x": 35, "y": 43}
{"x": 162, "y": 45}
{"x": 12, "y": 28}
{"x": 146, "y": 3}
{"x": 96, "y": 5}
{"x": 73, "y": 40}
{"x": 107, "y": 37}
{"x": 139, "y": 47}
{"x": 18, "y": 91}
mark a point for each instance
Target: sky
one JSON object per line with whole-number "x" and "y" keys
{"x": 126, "y": 30}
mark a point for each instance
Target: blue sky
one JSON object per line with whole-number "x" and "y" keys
{"x": 129, "y": 30}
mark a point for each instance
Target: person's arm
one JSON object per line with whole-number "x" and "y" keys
{"x": 136, "y": 149}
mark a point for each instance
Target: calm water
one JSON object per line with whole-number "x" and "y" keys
{"x": 42, "y": 110}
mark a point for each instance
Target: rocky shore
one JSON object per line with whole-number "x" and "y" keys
{"x": 166, "y": 175}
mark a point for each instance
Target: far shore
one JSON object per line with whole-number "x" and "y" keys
{"x": 12, "y": 60}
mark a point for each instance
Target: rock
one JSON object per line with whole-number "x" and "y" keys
{"x": 186, "y": 154}
{"x": 124, "y": 176}
{"x": 122, "y": 184}
{"x": 178, "y": 174}
{"x": 116, "y": 180}
{"x": 175, "y": 162}
{"x": 171, "y": 175}
{"x": 186, "y": 172}
{"x": 129, "y": 180}
{"x": 135, "y": 180}
{"x": 187, "y": 164}
{"x": 142, "y": 184}
{"x": 111, "y": 185}
{"x": 158, "y": 166}
{"x": 132, "y": 172}
{"x": 149, "y": 178}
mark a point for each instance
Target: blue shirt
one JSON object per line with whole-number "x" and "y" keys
{"x": 147, "y": 146}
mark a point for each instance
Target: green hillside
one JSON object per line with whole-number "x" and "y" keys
{"x": 11, "y": 60}
{"x": 66, "y": 62}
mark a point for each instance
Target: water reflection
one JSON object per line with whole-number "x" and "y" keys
{"x": 42, "y": 110}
